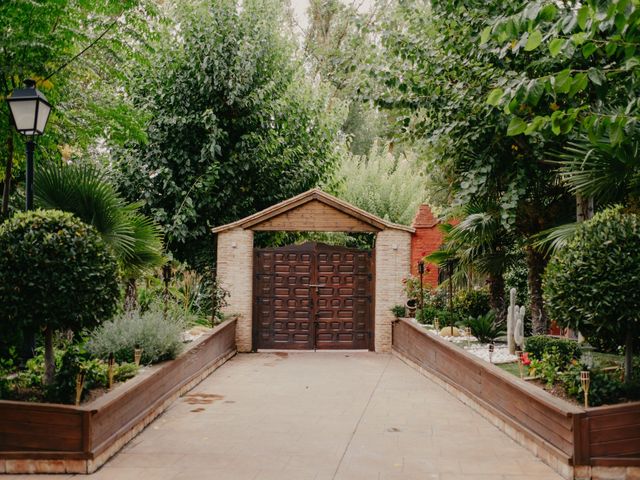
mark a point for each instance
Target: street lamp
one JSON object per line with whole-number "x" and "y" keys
{"x": 29, "y": 113}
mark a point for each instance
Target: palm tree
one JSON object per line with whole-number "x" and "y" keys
{"x": 595, "y": 168}
{"x": 85, "y": 191}
{"x": 480, "y": 242}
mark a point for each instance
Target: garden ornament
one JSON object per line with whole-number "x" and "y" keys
{"x": 515, "y": 323}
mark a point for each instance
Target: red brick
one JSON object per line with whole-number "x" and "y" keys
{"x": 426, "y": 240}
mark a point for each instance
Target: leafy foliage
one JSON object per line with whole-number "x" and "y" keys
{"x": 485, "y": 327}
{"x": 597, "y": 301}
{"x": 583, "y": 70}
{"x": 567, "y": 350}
{"x": 55, "y": 271}
{"x": 235, "y": 126}
{"x": 85, "y": 191}
{"x": 90, "y": 46}
{"x": 399, "y": 311}
{"x": 604, "y": 387}
{"x": 471, "y": 302}
{"x": 383, "y": 184}
{"x": 159, "y": 335}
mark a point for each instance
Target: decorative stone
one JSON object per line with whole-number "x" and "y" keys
{"x": 449, "y": 332}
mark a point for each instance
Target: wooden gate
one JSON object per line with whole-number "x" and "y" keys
{"x": 313, "y": 296}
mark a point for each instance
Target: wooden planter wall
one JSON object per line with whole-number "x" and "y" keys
{"x": 39, "y": 438}
{"x": 607, "y": 436}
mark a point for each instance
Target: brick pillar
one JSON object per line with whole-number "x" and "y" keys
{"x": 393, "y": 249}
{"x": 426, "y": 239}
{"x": 235, "y": 274}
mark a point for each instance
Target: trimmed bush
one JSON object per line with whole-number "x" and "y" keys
{"x": 567, "y": 350}
{"x": 56, "y": 273}
{"x": 591, "y": 285}
{"x": 160, "y": 338}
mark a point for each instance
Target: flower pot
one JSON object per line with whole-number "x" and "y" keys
{"x": 411, "y": 305}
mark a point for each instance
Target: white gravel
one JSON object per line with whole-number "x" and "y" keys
{"x": 481, "y": 350}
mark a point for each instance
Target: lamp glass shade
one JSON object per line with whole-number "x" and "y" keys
{"x": 43, "y": 115}
{"x": 29, "y": 111}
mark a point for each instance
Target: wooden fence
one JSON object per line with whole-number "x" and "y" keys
{"x": 600, "y": 436}
{"x": 50, "y": 431}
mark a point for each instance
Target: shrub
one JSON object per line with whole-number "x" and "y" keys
{"x": 471, "y": 303}
{"x": 485, "y": 328}
{"x": 159, "y": 337}
{"x": 399, "y": 311}
{"x": 56, "y": 273}
{"x": 591, "y": 285}
{"x": 427, "y": 314}
{"x": 548, "y": 366}
{"x": 604, "y": 387}
{"x": 567, "y": 350}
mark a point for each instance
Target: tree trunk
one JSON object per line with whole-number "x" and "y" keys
{"x": 628, "y": 356}
{"x": 496, "y": 297}
{"x": 536, "y": 263}
{"x": 49, "y": 357}
{"x": 131, "y": 295}
{"x": 6, "y": 190}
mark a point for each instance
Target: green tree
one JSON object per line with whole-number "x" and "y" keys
{"x": 433, "y": 70}
{"x": 85, "y": 191}
{"x": 597, "y": 301}
{"x": 56, "y": 274}
{"x": 235, "y": 126}
{"x": 79, "y": 53}
{"x": 386, "y": 185}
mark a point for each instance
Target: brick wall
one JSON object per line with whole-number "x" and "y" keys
{"x": 235, "y": 274}
{"x": 424, "y": 241}
{"x": 393, "y": 250}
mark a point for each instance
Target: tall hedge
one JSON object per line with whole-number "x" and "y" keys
{"x": 593, "y": 284}
{"x": 55, "y": 273}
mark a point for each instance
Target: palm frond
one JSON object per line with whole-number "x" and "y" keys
{"x": 85, "y": 191}
{"x": 553, "y": 239}
{"x": 596, "y": 168}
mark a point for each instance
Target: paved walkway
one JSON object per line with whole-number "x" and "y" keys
{"x": 320, "y": 416}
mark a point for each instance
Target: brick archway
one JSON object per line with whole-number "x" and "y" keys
{"x": 313, "y": 210}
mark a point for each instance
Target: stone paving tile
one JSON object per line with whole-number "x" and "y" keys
{"x": 320, "y": 416}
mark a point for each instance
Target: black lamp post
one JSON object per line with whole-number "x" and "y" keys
{"x": 29, "y": 113}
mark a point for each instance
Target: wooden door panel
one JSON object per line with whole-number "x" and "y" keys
{"x": 313, "y": 296}
{"x": 285, "y": 315}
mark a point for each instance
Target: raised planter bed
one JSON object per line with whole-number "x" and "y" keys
{"x": 578, "y": 443}
{"x": 52, "y": 438}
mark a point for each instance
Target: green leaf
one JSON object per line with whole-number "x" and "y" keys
{"x": 555, "y": 46}
{"x": 562, "y": 81}
{"x": 596, "y": 76}
{"x": 538, "y": 123}
{"x": 616, "y": 133}
{"x": 578, "y": 84}
{"x": 589, "y": 49}
{"x": 495, "y": 96}
{"x": 579, "y": 38}
{"x": 485, "y": 35}
{"x": 548, "y": 13}
{"x": 583, "y": 16}
{"x": 556, "y": 121}
{"x": 516, "y": 126}
{"x": 534, "y": 41}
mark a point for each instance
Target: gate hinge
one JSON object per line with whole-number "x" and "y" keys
{"x": 370, "y": 276}
{"x": 369, "y": 298}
